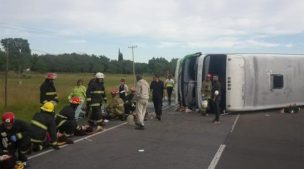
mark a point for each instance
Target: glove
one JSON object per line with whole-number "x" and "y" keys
{"x": 55, "y": 147}
{"x": 13, "y": 138}
{"x": 4, "y": 157}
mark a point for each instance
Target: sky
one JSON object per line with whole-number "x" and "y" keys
{"x": 159, "y": 28}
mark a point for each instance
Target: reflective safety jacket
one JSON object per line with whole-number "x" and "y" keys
{"x": 79, "y": 91}
{"x": 96, "y": 93}
{"x": 48, "y": 92}
{"x": 169, "y": 83}
{"x": 43, "y": 123}
{"x": 206, "y": 89}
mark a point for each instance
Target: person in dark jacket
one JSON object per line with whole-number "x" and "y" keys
{"x": 48, "y": 90}
{"x": 95, "y": 97}
{"x": 216, "y": 98}
{"x": 65, "y": 121}
{"x": 157, "y": 87}
{"x": 44, "y": 128}
{"x": 15, "y": 139}
{"x": 130, "y": 103}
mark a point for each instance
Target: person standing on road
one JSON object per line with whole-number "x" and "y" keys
{"x": 216, "y": 98}
{"x": 79, "y": 91}
{"x": 123, "y": 89}
{"x": 48, "y": 90}
{"x": 157, "y": 88}
{"x": 95, "y": 97}
{"x": 141, "y": 98}
{"x": 169, "y": 83}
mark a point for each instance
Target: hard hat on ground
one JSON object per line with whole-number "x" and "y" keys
{"x": 48, "y": 107}
{"x": 75, "y": 100}
{"x": 51, "y": 76}
{"x": 8, "y": 117}
{"x": 99, "y": 75}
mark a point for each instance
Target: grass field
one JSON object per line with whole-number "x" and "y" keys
{"x": 23, "y": 99}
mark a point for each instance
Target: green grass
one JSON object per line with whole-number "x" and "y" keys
{"x": 23, "y": 99}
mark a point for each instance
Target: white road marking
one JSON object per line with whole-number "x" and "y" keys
{"x": 235, "y": 121}
{"x": 217, "y": 157}
{"x": 78, "y": 140}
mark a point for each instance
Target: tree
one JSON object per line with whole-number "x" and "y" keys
{"x": 19, "y": 53}
{"x": 120, "y": 56}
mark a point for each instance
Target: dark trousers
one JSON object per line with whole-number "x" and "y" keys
{"x": 95, "y": 117}
{"x": 215, "y": 108}
{"x": 23, "y": 147}
{"x": 158, "y": 103}
{"x": 68, "y": 127}
{"x": 169, "y": 93}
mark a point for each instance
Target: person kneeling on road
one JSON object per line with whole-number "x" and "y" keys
{"x": 15, "y": 140}
{"x": 44, "y": 125}
{"x": 115, "y": 108}
{"x": 65, "y": 121}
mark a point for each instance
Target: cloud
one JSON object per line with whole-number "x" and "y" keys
{"x": 191, "y": 23}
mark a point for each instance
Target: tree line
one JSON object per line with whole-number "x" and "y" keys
{"x": 20, "y": 59}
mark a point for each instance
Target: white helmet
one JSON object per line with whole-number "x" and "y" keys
{"x": 216, "y": 92}
{"x": 205, "y": 104}
{"x": 99, "y": 75}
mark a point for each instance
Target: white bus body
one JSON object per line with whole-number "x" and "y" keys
{"x": 249, "y": 81}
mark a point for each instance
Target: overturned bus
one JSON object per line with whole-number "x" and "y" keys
{"x": 249, "y": 81}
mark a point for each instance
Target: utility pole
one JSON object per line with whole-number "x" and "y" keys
{"x": 132, "y": 48}
{"x": 6, "y": 75}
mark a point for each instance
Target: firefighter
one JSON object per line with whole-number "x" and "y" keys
{"x": 206, "y": 94}
{"x": 130, "y": 103}
{"x": 115, "y": 108}
{"x": 65, "y": 121}
{"x": 15, "y": 137}
{"x": 44, "y": 128}
{"x": 123, "y": 89}
{"x": 95, "y": 97}
{"x": 48, "y": 90}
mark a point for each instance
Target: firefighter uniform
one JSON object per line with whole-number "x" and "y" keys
{"x": 16, "y": 139}
{"x": 48, "y": 92}
{"x": 206, "y": 93}
{"x": 116, "y": 107}
{"x": 43, "y": 123}
{"x": 95, "y": 96}
{"x": 65, "y": 120}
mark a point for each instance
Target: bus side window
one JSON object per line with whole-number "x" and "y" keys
{"x": 277, "y": 81}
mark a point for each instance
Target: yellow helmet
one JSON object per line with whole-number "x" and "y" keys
{"x": 48, "y": 107}
{"x": 19, "y": 165}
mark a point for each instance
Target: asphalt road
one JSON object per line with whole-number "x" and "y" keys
{"x": 188, "y": 141}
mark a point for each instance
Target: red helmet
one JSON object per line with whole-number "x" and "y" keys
{"x": 75, "y": 100}
{"x": 114, "y": 92}
{"x": 8, "y": 117}
{"x": 51, "y": 76}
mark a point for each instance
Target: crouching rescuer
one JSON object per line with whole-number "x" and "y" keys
{"x": 65, "y": 121}
{"x": 115, "y": 108}
{"x": 44, "y": 128}
{"x": 15, "y": 141}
